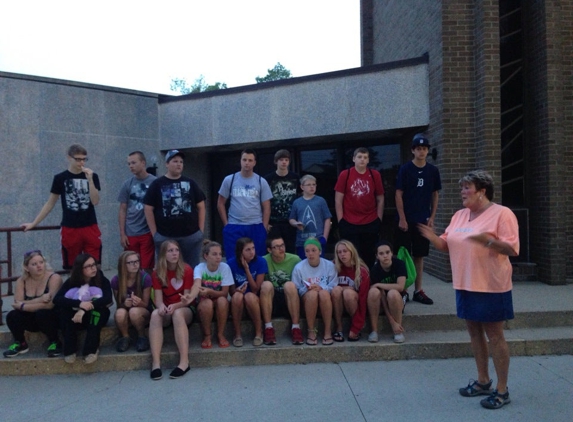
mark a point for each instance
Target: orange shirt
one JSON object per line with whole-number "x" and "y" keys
{"x": 474, "y": 267}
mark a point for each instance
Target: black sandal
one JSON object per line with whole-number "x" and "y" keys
{"x": 338, "y": 336}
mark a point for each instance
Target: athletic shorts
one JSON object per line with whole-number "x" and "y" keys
{"x": 484, "y": 307}
{"x": 80, "y": 240}
{"x": 417, "y": 245}
{"x": 145, "y": 247}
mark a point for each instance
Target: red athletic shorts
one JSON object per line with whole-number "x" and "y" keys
{"x": 80, "y": 240}
{"x": 145, "y": 247}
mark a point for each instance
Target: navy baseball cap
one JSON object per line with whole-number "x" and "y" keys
{"x": 420, "y": 140}
{"x": 173, "y": 153}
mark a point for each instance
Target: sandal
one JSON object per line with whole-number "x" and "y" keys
{"x": 474, "y": 388}
{"x": 354, "y": 338}
{"x": 206, "y": 344}
{"x": 338, "y": 336}
{"x": 496, "y": 400}
{"x": 238, "y": 342}
{"x": 327, "y": 341}
{"x": 312, "y": 341}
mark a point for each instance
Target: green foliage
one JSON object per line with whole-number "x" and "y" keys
{"x": 181, "y": 86}
{"x": 276, "y": 73}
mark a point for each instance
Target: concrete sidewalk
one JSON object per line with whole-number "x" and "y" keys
{"x": 541, "y": 389}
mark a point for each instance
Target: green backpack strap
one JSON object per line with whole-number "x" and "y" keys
{"x": 404, "y": 255}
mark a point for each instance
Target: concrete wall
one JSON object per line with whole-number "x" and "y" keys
{"x": 344, "y": 102}
{"x": 39, "y": 119}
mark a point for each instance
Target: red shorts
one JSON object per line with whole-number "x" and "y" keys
{"x": 80, "y": 240}
{"x": 145, "y": 247}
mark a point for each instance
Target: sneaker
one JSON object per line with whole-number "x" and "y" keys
{"x": 16, "y": 349}
{"x": 373, "y": 337}
{"x": 70, "y": 358}
{"x": 399, "y": 338}
{"x": 142, "y": 344}
{"x": 54, "y": 349}
{"x": 297, "y": 338}
{"x": 122, "y": 344}
{"x": 421, "y": 297}
{"x": 474, "y": 388}
{"x": 496, "y": 400}
{"x": 91, "y": 358}
{"x": 269, "y": 336}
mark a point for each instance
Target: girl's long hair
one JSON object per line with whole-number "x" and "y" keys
{"x": 161, "y": 269}
{"x": 123, "y": 276}
{"x": 240, "y": 245}
{"x": 355, "y": 261}
{"x": 77, "y": 275}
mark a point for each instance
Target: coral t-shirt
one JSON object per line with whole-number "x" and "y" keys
{"x": 474, "y": 267}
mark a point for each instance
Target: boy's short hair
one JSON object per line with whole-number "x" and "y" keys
{"x": 77, "y": 149}
{"x": 139, "y": 154}
{"x": 281, "y": 153}
{"x": 307, "y": 177}
{"x": 249, "y": 151}
{"x": 271, "y": 239}
{"x": 360, "y": 150}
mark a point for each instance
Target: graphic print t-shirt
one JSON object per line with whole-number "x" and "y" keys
{"x": 285, "y": 191}
{"x": 175, "y": 205}
{"x": 174, "y": 287}
{"x": 77, "y": 208}
{"x": 312, "y": 213}
{"x": 214, "y": 280}
{"x": 132, "y": 193}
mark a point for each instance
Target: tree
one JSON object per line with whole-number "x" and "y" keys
{"x": 181, "y": 86}
{"x": 276, "y": 73}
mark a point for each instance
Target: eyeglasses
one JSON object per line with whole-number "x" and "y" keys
{"x": 29, "y": 253}
{"x": 79, "y": 160}
{"x": 281, "y": 246}
{"x": 309, "y": 184}
{"x": 89, "y": 266}
{"x": 136, "y": 262}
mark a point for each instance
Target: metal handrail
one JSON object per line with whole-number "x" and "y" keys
{"x": 8, "y": 261}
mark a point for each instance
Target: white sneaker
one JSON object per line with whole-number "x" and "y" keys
{"x": 70, "y": 358}
{"x": 399, "y": 338}
{"x": 373, "y": 337}
{"x": 91, "y": 358}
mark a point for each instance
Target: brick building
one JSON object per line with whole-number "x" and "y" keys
{"x": 501, "y": 91}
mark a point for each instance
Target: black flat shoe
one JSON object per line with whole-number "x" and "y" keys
{"x": 156, "y": 374}
{"x": 178, "y": 372}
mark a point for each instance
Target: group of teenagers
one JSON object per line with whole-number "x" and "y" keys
{"x": 164, "y": 218}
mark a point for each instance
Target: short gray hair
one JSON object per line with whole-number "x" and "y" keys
{"x": 481, "y": 179}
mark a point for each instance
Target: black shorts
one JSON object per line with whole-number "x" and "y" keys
{"x": 280, "y": 308}
{"x": 417, "y": 245}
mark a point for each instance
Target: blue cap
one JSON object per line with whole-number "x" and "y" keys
{"x": 420, "y": 140}
{"x": 172, "y": 153}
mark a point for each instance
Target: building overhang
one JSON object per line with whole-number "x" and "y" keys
{"x": 372, "y": 99}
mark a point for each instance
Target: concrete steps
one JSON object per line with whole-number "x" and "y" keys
{"x": 427, "y": 337}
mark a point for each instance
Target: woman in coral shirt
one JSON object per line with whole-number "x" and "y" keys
{"x": 479, "y": 240}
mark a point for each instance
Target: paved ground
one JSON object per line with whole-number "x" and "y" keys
{"x": 541, "y": 389}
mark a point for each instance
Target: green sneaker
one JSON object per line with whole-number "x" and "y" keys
{"x": 54, "y": 349}
{"x": 16, "y": 349}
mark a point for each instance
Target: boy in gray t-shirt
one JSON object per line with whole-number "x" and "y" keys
{"x": 310, "y": 215}
{"x": 134, "y": 232}
{"x": 249, "y": 208}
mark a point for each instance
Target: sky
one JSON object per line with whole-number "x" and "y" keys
{"x": 143, "y": 45}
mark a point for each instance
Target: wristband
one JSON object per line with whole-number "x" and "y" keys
{"x": 489, "y": 243}
{"x": 22, "y": 306}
